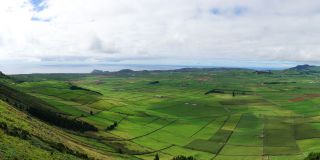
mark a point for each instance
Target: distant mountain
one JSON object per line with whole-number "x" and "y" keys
{"x": 96, "y": 71}
{"x": 129, "y": 71}
{"x": 302, "y": 67}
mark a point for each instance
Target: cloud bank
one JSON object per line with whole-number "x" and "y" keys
{"x": 158, "y": 31}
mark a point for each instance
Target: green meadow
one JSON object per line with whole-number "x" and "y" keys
{"x": 245, "y": 115}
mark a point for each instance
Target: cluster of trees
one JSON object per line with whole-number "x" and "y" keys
{"x": 227, "y": 91}
{"x": 263, "y": 72}
{"x": 61, "y": 121}
{"x": 112, "y": 127}
{"x": 214, "y": 91}
{"x": 180, "y": 157}
{"x": 154, "y": 82}
{"x": 313, "y": 156}
{"x": 41, "y": 110}
{"x": 236, "y": 92}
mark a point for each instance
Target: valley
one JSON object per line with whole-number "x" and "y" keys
{"x": 218, "y": 114}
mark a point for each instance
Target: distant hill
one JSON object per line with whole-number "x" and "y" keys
{"x": 302, "y": 67}
{"x": 96, "y": 71}
{"x": 127, "y": 71}
{"x": 2, "y": 75}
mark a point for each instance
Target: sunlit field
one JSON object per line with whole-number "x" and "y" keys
{"x": 207, "y": 114}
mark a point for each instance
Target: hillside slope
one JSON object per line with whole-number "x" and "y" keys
{"x": 24, "y": 137}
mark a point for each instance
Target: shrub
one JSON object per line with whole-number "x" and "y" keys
{"x": 154, "y": 82}
{"x": 112, "y": 127}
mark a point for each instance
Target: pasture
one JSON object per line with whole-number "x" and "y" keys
{"x": 245, "y": 116}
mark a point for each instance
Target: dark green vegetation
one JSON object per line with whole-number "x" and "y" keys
{"x": 313, "y": 156}
{"x": 183, "y": 158}
{"x": 199, "y": 114}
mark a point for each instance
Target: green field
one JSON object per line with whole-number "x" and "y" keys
{"x": 249, "y": 116}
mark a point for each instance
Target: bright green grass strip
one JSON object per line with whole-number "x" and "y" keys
{"x": 224, "y": 157}
{"x": 287, "y": 157}
{"x": 151, "y": 143}
{"x": 192, "y": 125}
{"x": 233, "y": 150}
{"x": 213, "y": 127}
{"x": 170, "y": 138}
{"x": 246, "y": 138}
{"x": 309, "y": 145}
{"x": 152, "y": 155}
{"x": 100, "y": 122}
{"x": 116, "y": 117}
{"x": 177, "y": 150}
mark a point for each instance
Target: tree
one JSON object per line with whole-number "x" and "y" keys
{"x": 119, "y": 150}
{"x": 156, "y": 157}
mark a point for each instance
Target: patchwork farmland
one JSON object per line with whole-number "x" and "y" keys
{"x": 207, "y": 114}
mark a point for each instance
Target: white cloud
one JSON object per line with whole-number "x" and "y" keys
{"x": 159, "y": 31}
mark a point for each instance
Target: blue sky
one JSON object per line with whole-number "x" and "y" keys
{"x": 242, "y": 33}
{"x": 38, "y": 5}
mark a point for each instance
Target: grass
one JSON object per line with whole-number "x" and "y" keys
{"x": 206, "y": 146}
{"x": 175, "y": 116}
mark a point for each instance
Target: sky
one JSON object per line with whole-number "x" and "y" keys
{"x": 80, "y": 35}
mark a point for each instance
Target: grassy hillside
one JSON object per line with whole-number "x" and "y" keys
{"x": 24, "y": 137}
